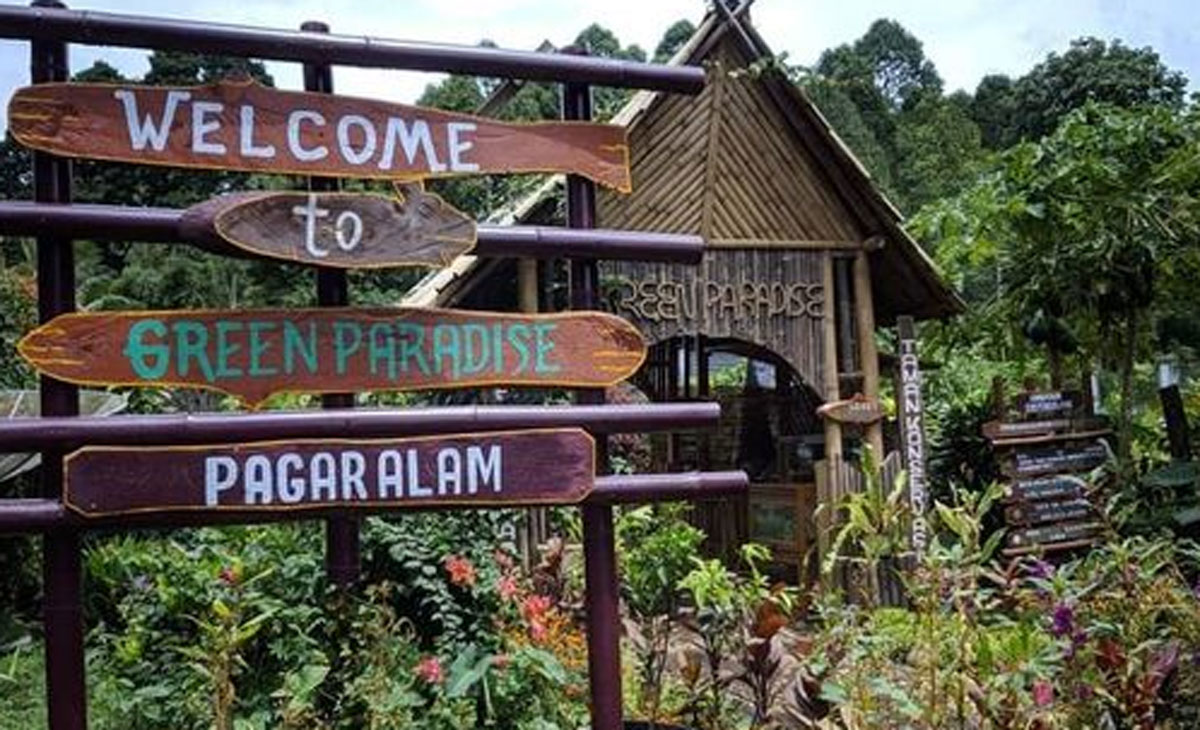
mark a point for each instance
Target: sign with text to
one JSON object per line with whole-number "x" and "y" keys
{"x": 549, "y": 466}
{"x": 254, "y": 353}
{"x": 343, "y": 230}
{"x": 249, "y": 127}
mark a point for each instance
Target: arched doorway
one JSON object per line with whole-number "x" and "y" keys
{"x": 769, "y": 427}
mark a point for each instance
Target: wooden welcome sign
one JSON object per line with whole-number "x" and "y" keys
{"x": 344, "y": 230}
{"x": 243, "y": 125}
{"x": 254, "y": 353}
{"x": 552, "y": 466}
{"x": 858, "y": 409}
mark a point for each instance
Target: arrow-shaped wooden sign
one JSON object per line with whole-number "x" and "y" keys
{"x": 254, "y": 353}
{"x": 344, "y": 230}
{"x": 550, "y": 466}
{"x": 243, "y": 125}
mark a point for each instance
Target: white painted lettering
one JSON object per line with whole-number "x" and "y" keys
{"x": 410, "y": 140}
{"x": 449, "y": 471}
{"x": 322, "y": 477}
{"x": 258, "y": 480}
{"x": 143, "y": 131}
{"x": 414, "y": 477}
{"x": 349, "y": 154}
{"x": 389, "y": 483}
{"x": 483, "y": 469}
{"x": 220, "y": 473}
{"x": 353, "y": 467}
{"x": 298, "y": 151}
{"x": 201, "y": 127}
{"x": 457, "y": 146}
{"x": 311, "y": 213}
{"x": 248, "y": 148}
{"x": 344, "y": 241}
{"x": 290, "y": 488}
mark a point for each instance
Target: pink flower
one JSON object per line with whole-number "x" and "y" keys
{"x": 501, "y": 661}
{"x": 230, "y": 575}
{"x": 1043, "y": 693}
{"x": 537, "y": 631}
{"x": 430, "y": 670}
{"x": 507, "y": 587}
{"x": 462, "y": 572}
{"x": 534, "y": 607}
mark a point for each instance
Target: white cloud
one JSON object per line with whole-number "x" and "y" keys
{"x": 966, "y": 39}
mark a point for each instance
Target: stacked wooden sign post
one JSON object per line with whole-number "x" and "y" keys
{"x": 1045, "y": 452}
{"x": 338, "y": 463}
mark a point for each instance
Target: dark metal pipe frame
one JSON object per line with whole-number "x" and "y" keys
{"x": 111, "y": 29}
{"x": 333, "y": 290}
{"x": 162, "y": 225}
{"x": 35, "y": 515}
{"x": 599, "y": 534}
{"x": 33, "y": 434}
{"x": 62, "y": 569}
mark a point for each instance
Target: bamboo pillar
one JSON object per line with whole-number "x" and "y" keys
{"x": 864, "y": 305}
{"x": 534, "y": 532}
{"x": 827, "y": 488}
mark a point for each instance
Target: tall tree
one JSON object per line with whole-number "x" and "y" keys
{"x": 678, "y": 34}
{"x": 1090, "y": 70}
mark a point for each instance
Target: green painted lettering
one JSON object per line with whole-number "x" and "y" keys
{"x": 543, "y": 346}
{"x": 294, "y": 344}
{"x": 191, "y": 343}
{"x": 259, "y": 345}
{"x": 412, "y": 346}
{"x": 382, "y": 349}
{"x": 226, "y": 349}
{"x": 347, "y": 338}
{"x": 497, "y": 348}
{"x": 446, "y": 344}
{"x": 149, "y": 360}
{"x": 475, "y": 348}
{"x": 518, "y": 340}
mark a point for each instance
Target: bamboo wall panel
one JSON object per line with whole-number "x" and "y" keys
{"x": 770, "y": 297}
{"x": 727, "y": 164}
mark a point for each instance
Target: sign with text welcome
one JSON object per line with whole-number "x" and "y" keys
{"x": 551, "y": 466}
{"x": 243, "y": 125}
{"x": 343, "y": 230}
{"x": 254, "y": 353}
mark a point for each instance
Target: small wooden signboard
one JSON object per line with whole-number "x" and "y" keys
{"x": 858, "y": 410}
{"x": 1057, "y": 459}
{"x": 1051, "y": 534}
{"x": 552, "y": 466}
{"x": 1059, "y": 486}
{"x": 1040, "y": 405}
{"x": 254, "y": 353}
{"x": 245, "y": 126}
{"x": 343, "y": 230}
{"x": 1034, "y": 513}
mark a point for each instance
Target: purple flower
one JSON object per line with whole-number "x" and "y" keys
{"x": 1040, "y": 569}
{"x": 1063, "y": 621}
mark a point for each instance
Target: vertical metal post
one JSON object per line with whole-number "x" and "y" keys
{"x": 62, "y": 570}
{"x": 341, "y": 531}
{"x": 599, "y": 543}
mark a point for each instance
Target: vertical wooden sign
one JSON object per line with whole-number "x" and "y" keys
{"x": 912, "y": 430}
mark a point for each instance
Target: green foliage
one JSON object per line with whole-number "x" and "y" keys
{"x": 673, "y": 39}
{"x": 1091, "y": 70}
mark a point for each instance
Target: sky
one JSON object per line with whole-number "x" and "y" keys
{"x": 966, "y": 39}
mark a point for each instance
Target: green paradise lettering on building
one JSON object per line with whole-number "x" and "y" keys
{"x": 224, "y": 350}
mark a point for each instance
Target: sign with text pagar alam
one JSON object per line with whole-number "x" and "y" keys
{"x": 246, "y": 126}
{"x": 547, "y": 466}
{"x": 254, "y": 353}
{"x": 342, "y": 230}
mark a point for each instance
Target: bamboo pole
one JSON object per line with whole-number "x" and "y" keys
{"x": 827, "y": 489}
{"x": 868, "y": 355}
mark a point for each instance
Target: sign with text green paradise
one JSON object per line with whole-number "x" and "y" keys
{"x": 255, "y": 353}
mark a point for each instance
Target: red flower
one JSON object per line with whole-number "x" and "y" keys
{"x": 501, "y": 661}
{"x": 462, "y": 573}
{"x": 507, "y": 587}
{"x": 430, "y": 670}
{"x": 230, "y": 575}
{"x": 537, "y": 631}
{"x": 1043, "y": 693}
{"x": 534, "y": 607}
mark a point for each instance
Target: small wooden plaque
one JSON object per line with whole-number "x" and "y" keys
{"x": 342, "y": 230}
{"x": 858, "y": 409}
{"x": 552, "y": 466}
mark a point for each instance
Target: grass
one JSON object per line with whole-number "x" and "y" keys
{"x": 22, "y": 686}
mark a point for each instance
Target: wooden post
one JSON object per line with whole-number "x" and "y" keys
{"x": 62, "y": 569}
{"x": 828, "y": 493}
{"x": 534, "y": 532}
{"x": 864, "y": 304}
{"x": 341, "y": 532}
